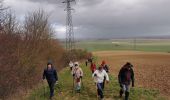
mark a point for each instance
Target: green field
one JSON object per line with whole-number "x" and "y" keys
{"x": 88, "y": 92}
{"x": 152, "y": 45}
{"x": 111, "y": 91}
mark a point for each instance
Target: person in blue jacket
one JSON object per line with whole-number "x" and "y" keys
{"x": 50, "y": 74}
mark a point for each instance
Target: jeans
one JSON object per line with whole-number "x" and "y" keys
{"x": 100, "y": 89}
{"x": 78, "y": 84}
{"x": 104, "y": 81}
{"x": 125, "y": 89}
{"x": 51, "y": 86}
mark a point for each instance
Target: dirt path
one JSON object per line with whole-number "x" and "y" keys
{"x": 152, "y": 70}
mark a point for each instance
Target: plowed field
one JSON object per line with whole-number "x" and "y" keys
{"x": 152, "y": 70}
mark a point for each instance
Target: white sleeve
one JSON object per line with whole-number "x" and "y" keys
{"x": 94, "y": 73}
{"x": 94, "y": 77}
{"x": 106, "y": 75}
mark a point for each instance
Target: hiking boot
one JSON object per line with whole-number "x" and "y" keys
{"x": 121, "y": 93}
{"x": 51, "y": 98}
{"x": 78, "y": 91}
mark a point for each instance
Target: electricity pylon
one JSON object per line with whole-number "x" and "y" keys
{"x": 70, "y": 43}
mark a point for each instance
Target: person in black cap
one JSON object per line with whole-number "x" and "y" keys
{"x": 126, "y": 75}
{"x": 50, "y": 74}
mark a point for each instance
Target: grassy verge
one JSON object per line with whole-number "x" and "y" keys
{"x": 88, "y": 92}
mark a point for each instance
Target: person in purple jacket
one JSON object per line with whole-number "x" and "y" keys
{"x": 50, "y": 74}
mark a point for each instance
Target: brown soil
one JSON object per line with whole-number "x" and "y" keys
{"x": 152, "y": 70}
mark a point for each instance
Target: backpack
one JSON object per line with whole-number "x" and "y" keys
{"x": 106, "y": 68}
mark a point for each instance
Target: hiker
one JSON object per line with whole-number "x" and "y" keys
{"x": 99, "y": 75}
{"x": 71, "y": 64}
{"x": 126, "y": 75}
{"x": 50, "y": 74}
{"x": 77, "y": 76}
{"x": 89, "y": 60}
{"x": 86, "y": 62}
{"x": 106, "y": 68}
{"x": 92, "y": 67}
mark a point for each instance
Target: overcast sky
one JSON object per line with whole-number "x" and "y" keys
{"x": 103, "y": 18}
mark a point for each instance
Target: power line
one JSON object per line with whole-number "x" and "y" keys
{"x": 70, "y": 43}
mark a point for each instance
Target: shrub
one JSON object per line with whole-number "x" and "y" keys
{"x": 76, "y": 55}
{"x": 25, "y": 52}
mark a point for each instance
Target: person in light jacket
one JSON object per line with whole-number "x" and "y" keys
{"x": 98, "y": 76}
{"x": 77, "y": 73}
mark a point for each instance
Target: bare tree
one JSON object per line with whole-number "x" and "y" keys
{"x": 37, "y": 26}
{"x": 10, "y": 24}
{"x": 2, "y": 7}
{"x": 38, "y": 31}
{"x": 2, "y": 14}
{"x": 1, "y": 10}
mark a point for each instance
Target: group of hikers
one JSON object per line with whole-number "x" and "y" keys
{"x": 100, "y": 76}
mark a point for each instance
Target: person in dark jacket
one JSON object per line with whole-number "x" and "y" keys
{"x": 50, "y": 74}
{"x": 89, "y": 60}
{"x": 105, "y": 66}
{"x": 126, "y": 75}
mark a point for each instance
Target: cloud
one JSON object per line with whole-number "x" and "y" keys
{"x": 106, "y": 18}
{"x": 59, "y": 30}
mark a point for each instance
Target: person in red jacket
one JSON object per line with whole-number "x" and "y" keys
{"x": 93, "y": 67}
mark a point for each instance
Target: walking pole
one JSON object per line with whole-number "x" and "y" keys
{"x": 96, "y": 92}
{"x": 44, "y": 88}
{"x": 110, "y": 76}
{"x": 73, "y": 84}
{"x": 95, "y": 80}
{"x": 59, "y": 89}
{"x": 82, "y": 83}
